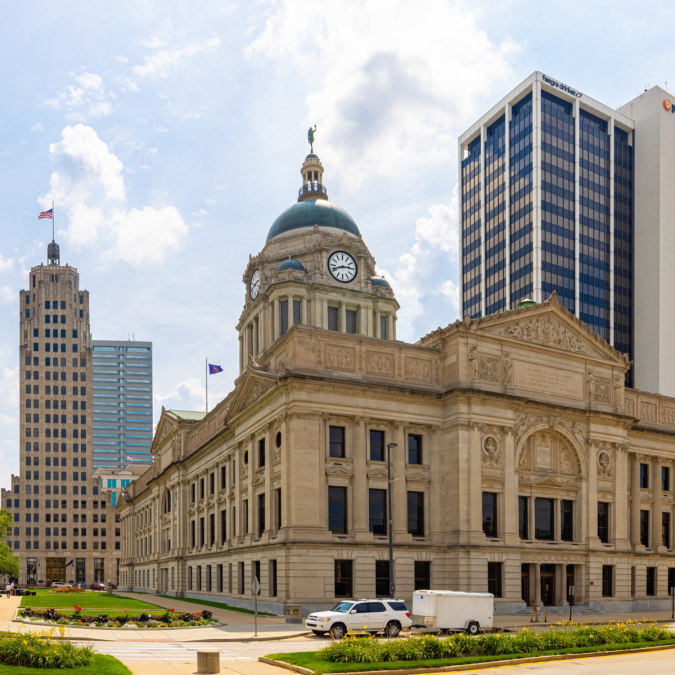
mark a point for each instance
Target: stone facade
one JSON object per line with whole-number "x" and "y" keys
{"x": 523, "y": 465}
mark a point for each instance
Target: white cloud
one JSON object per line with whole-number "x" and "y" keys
{"x": 161, "y": 129}
{"x": 5, "y": 263}
{"x": 395, "y": 84}
{"x": 158, "y": 65}
{"x": 88, "y": 185}
{"x": 201, "y": 212}
{"x": 83, "y": 100}
{"x": 436, "y": 245}
{"x": 145, "y": 166}
{"x": 9, "y": 388}
{"x": 8, "y": 294}
{"x": 210, "y": 202}
{"x": 122, "y": 59}
{"x": 36, "y": 127}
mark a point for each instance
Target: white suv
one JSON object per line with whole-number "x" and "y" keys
{"x": 372, "y": 616}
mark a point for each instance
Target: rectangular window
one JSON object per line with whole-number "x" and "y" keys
{"x": 245, "y": 515}
{"x": 189, "y": 577}
{"x": 651, "y": 581}
{"x": 223, "y": 477}
{"x": 256, "y": 574}
{"x": 632, "y": 581}
{"x": 495, "y": 579}
{"x": 644, "y": 476}
{"x": 334, "y": 318}
{"x": 261, "y": 452}
{"x": 201, "y": 488}
{"x": 337, "y": 510}
{"x": 490, "y": 514}
{"x": 193, "y": 542}
{"x": 199, "y": 577}
{"x": 350, "y": 320}
{"x": 416, "y": 514}
{"x": 377, "y": 512}
{"x": 212, "y": 483}
{"x": 644, "y": 528}
{"x": 219, "y": 575}
{"x": 377, "y": 446}
{"x": 422, "y": 575}
{"x": 337, "y": 442}
{"x": 607, "y": 577}
{"x": 384, "y": 327}
{"x": 543, "y": 519}
{"x": 208, "y": 577}
{"x": 278, "y": 501}
{"x": 343, "y": 579}
{"x": 223, "y": 526}
{"x": 273, "y": 578}
{"x": 202, "y": 540}
{"x": 283, "y": 317}
{"x": 192, "y": 493}
{"x": 671, "y": 581}
{"x": 523, "y": 518}
{"x": 382, "y": 578}
{"x": 212, "y": 529}
{"x": 240, "y": 578}
{"x": 665, "y": 479}
{"x": 297, "y": 311}
{"x": 665, "y": 528}
{"x": 414, "y": 449}
{"x": 603, "y": 522}
{"x": 567, "y": 520}
{"x": 261, "y": 514}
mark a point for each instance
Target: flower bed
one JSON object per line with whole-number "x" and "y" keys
{"x": 355, "y": 649}
{"x": 68, "y": 589}
{"x": 169, "y": 619}
{"x": 42, "y": 650}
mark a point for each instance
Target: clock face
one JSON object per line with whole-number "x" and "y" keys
{"x": 255, "y": 284}
{"x": 342, "y": 267}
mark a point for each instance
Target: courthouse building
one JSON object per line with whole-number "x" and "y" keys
{"x": 523, "y": 465}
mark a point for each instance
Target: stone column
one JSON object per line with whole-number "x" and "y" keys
{"x": 324, "y": 312}
{"x": 359, "y": 498}
{"x": 304, "y": 318}
{"x": 276, "y": 326}
{"x": 363, "y": 322}
{"x": 619, "y": 518}
{"x": 537, "y": 583}
{"x": 343, "y": 317}
{"x": 270, "y": 526}
{"x": 291, "y": 313}
{"x": 656, "y": 543}
{"x": 591, "y": 500}
{"x": 391, "y": 333}
{"x": 475, "y": 493}
{"x": 377, "y": 325}
{"x": 557, "y": 520}
{"x": 510, "y": 491}
{"x": 399, "y": 495}
{"x": 435, "y": 529}
{"x": 530, "y": 518}
{"x": 635, "y": 500}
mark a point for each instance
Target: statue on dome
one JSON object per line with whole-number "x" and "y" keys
{"x": 310, "y": 138}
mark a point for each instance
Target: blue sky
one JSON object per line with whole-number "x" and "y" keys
{"x": 171, "y": 135}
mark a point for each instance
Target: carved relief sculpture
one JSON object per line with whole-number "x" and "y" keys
{"x": 492, "y": 455}
{"x": 488, "y": 368}
{"x": 603, "y": 390}
{"x": 508, "y": 371}
{"x": 590, "y": 379}
{"x": 378, "y": 363}
{"x": 619, "y": 381}
{"x": 417, "y": 369}
{"x": 605, "y": 464}
{"x": 548, "y": 333}
{"x": 473, "y": 363}
{"x": 340, "y": 359}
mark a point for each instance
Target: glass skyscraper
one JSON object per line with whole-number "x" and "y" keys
{"x": 122, "y": 402}
{"x": 547, "y": 205}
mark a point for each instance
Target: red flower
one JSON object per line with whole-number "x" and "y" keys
{"x": 124, "y": 610}
{"x": 197, "y": 612}
{"x": 172, "y": 610}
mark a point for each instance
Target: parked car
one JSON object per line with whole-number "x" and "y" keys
{"x": 97, "y": 586}
{"x": 60, "y": 584}
{"x": 372, "y": 616}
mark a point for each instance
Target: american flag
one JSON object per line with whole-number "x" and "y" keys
{"x": 129, "y": 457}
{"x": 47, "y": 214}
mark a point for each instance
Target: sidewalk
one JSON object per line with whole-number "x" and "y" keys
{"x": 520, "y": 621}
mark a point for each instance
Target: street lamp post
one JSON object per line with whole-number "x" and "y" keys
{"x": 391, "y": 541}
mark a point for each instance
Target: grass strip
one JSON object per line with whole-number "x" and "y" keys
{"x": 307, "y": 660}
{"x": 101, "y": 665}
{"x": 220, "y": 605}
{"x": 112, "y": 612}
{"x": 91, "y": 600}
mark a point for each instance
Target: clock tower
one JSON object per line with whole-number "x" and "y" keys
{"x": 316, "y": 270}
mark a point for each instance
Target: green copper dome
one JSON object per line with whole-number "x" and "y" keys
{"x": 290, "y": 265}
{"x": 313, "y": 212}
{"x": 377, "y": 281}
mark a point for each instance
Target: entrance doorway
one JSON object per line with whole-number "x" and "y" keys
{"x": 525, "y": 583}
{"x": 570, "y": 582}
{"x": 547, "y": 573}
{"x": 56, "y": 570}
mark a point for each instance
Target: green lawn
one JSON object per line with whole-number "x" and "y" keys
{"x": 221, "y": 605}
{"x": 88, "y": 600}
{"x": 307, "y": 659}
{"x": 101, "y": 665}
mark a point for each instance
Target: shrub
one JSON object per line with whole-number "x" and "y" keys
{"x": 358, "y": 649}
{"x": 40, "y": 650}
{"x": 68, "y": 589}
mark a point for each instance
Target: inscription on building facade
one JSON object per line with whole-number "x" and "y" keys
{"x": 541, "y": 378}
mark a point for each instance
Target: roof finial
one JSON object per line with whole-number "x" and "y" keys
{"x": 310, "y": 138}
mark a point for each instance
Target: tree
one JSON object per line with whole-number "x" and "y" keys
{"x": 9, "y": 564}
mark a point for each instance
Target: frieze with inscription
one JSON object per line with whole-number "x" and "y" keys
{"x": 548, "y": 380}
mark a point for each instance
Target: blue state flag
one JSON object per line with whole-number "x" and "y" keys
{"x": 214, "y": 369}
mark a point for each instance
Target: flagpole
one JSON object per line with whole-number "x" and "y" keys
{"x": 53, "y": 219}
{"x": 206, "y": 377}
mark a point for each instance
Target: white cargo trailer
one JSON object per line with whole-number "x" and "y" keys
{"x": 453, "y": 610}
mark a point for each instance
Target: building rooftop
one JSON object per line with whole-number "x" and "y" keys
{"x": 188, "y": 414}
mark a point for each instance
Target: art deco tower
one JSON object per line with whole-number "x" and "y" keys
{"x": 62, "y": 530}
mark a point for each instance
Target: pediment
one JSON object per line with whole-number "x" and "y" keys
{"x": 417, "y": 477}
{"x": 378, "y": 473}
{"x": 551, "y": 482}
{"x": 339, "y": 472}
{"x": 253, "y": 387}
{"x": 259, "y": 479}
{"x": 549, "y": 324}
{"x": 167, "y": 425}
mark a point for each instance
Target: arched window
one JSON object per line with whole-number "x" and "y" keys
{"x": 167, "y": 501}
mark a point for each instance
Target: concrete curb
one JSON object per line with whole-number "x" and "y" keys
{"x": 476, "y": 666}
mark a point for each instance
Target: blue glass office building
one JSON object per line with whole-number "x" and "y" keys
{"x": 122, "y": 403}
{"x": 547, "y": 205}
